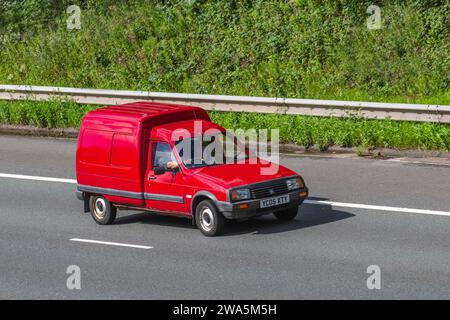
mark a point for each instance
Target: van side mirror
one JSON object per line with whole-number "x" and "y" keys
{"x": 159, "y": 170}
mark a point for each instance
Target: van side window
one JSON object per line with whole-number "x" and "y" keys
{"x": 161, "y": 154}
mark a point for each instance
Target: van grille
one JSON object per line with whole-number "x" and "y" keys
{"x": 273, "y": 189}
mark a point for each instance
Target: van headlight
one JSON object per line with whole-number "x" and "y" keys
{"x": 293, "y": 184}
{"x": 240, "y": 194}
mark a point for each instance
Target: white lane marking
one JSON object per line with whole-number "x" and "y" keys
{"x": 111, "y": 243}
{"x": 314, "y": 202}
{"x": 380, "y": 208}
{"x": 36, "y": 178}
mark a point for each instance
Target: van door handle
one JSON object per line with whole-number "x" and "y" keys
{"x": 151, "y": 177}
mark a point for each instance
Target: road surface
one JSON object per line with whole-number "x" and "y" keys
{"x": 323, "y": 254}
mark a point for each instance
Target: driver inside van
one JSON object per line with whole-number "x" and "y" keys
{"x": 164, "y": 157}
{"x": 171, "y": 165}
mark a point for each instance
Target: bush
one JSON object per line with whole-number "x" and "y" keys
{"x": 303, "y": 49}
{"x": 322, "y": 132}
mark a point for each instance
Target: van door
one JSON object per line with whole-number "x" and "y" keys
{"x": 164, "y": 192}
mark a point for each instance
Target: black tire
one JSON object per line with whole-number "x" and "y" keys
{"x": 102, "y": 211}
{"x": 208, "y": 219}
{"x": 286, "y": 215}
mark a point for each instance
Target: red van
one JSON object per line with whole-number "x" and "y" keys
{"x": 130, "y": 157}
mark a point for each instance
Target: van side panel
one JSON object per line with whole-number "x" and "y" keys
{"x": 96, "y": 147}
{"x": 109, "y": 161}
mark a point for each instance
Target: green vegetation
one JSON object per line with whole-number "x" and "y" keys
{"x": 289, "y": 48}
{"x": 42, "y": 114}
{"x": 302, "y": 130}
{"x": 345, "y": 132}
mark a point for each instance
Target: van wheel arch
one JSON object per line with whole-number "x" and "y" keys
{"x": 196, "y": 200}
{"x": 199, "y": 197}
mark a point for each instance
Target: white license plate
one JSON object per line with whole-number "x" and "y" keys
{"x": 275, "y": 201}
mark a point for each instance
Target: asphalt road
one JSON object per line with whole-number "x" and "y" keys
{"x": 324, "y": 253}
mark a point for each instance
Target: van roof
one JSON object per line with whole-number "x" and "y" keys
{"x": 139, "y": 111}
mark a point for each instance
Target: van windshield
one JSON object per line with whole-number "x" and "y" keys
{"x": 208, "y": 150}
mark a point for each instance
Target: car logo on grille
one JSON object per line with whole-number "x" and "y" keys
{"x": 271, "y": 191}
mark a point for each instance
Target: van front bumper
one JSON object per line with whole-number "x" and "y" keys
{"x": 231, "y": 210}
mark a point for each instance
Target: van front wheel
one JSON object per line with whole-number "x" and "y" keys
{"x": 208, "y": 219}
{"x": 102, "y": 210}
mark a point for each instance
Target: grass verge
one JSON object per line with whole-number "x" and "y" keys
{"x": 320, "y": 132}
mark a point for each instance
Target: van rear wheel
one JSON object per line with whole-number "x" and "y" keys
{"x": 208, "y": 219}
{"x": 102, "y": 210}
